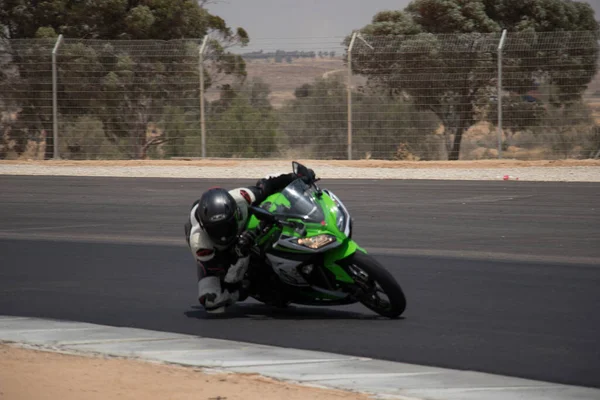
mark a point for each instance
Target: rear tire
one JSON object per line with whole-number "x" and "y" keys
{"x": 368, "y": 273}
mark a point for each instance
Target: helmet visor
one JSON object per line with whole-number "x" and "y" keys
{"x": 223, "y": 233}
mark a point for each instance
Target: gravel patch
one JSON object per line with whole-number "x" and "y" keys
{"x": 548, "y": 171}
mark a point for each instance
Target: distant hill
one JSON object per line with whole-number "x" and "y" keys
{"x": 284, "y": 77}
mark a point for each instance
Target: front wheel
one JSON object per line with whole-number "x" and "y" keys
{"x": 379, "y": 291}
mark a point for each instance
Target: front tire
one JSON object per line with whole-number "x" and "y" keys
{"x": 374, "y": 280}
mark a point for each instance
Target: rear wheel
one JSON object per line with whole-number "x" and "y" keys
{"x": 378, "y": 291}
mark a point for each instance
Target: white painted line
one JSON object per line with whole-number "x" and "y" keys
{"x": 2, "y": 318}
{"x": 44, "y": 228}
{"x": 283, "y": 362}
{"x": 246, "y": 363}
{"x": 498, "y": 388}
{"x": 322, "y": 378}
{"x": 91, "y": 237}
{"x": 124, "y": 340}
{"x": 17, "y": 331}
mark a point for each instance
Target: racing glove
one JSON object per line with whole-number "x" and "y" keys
{"x": 245, "y": 242}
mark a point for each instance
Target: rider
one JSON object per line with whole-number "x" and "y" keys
{"x": 216, "y": 236}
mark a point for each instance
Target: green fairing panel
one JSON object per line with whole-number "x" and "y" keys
{"x": 347, "y": 248}
{"x": 253, "y": 222}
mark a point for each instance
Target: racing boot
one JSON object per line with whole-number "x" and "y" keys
{"x": 213, "y": 297}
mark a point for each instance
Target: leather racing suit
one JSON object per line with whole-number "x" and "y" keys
{"x": 220, "y": 270}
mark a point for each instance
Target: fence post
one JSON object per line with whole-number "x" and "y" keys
{"x": 349, "y": 88}
{"x": 202, "y": 115}
{"x": 55, "y": 98}
{"x": 500, "y": 47}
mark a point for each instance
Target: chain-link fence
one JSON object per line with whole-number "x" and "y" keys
{"x": 417, "y": 97}
{"x": 117, "y": 99}
{"x": 551, "y": 92}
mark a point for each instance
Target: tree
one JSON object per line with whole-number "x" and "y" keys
{"x": 24, "y": 94}
{"x": 145, "y": 89}
{"x": 517, "y": 115}
{"x": 391, "y": 127}
{"x": 115, "y": 69}
{"x": 442, "y": 53}
{"x": 316, "y": 122}
{"x": 567, "y": 126}
{"x": 85, "y": 139}
{"x": 242, "y": 122}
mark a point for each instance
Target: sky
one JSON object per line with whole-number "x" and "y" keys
{"x": 287, "y": 24}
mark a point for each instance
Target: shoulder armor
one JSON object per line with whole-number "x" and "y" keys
{"x": 243, "y": 195}
{"x": 200, "y": 244}
{"x": 244, "y": 198}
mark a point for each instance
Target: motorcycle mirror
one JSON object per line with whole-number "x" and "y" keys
{"x": 262, "y": 214}
{"x": 299, "y": 169}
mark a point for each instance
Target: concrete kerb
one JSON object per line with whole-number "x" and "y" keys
{"x": 380, "y": 379}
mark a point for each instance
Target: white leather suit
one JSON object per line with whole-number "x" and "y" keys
{"x": 221, "y": 269}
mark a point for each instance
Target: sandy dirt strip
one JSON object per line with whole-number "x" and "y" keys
{"x": 27, "y": 374}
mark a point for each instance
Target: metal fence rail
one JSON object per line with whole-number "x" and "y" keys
{"x": 419, "y": 97}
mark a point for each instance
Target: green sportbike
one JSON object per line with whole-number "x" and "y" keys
{"x": 304, "y": 253}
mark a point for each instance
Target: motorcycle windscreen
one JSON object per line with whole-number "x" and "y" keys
{"x": 297, "y": 200}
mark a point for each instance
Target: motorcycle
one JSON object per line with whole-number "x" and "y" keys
{"x": 304, "y": 253}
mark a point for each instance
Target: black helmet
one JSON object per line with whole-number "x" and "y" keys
{"x": 217, "y": 212}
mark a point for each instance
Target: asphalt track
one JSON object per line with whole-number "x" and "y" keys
{"x": 500, "y": 277}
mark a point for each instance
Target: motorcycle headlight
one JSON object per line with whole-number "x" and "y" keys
{"x": 316, "y": 242}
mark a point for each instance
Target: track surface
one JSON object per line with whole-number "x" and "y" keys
{"x": 496, "y": 313}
